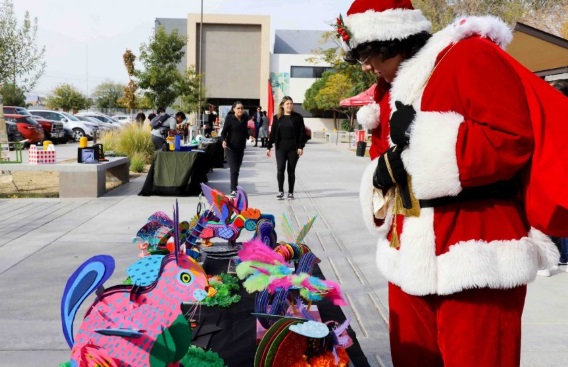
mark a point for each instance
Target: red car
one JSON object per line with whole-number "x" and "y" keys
{"x": 251, "y": 129}
{"x": 52, "y": 130}
{"x": 28, "y": 127}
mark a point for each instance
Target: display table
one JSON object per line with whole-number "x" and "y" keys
{"x": 176, "y": 173}
{"x": 236, "y": 342}
{"x": 215, "y": 153}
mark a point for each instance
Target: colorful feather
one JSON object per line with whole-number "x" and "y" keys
{"x": 287, "y": 228}
{"x": 305, "y": 230}
{"x": 256, "y": 250}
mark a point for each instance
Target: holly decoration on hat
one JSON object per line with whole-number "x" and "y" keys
{"x": 342, "y": 31}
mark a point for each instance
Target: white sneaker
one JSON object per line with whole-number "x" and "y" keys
{"x": 543, "y": 272}
{"x": 232, "y": 194}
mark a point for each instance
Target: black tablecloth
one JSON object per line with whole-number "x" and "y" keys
{"x": 236, "y": 342}
{"x": 176, "y": 173}
{"x": 215, "y": 152}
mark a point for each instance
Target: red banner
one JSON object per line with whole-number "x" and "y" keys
{"x": 270, "y": 108}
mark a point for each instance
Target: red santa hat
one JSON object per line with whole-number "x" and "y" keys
{"x": 381, "y": 20}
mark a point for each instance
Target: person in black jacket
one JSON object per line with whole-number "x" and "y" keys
{"x": 234, "y": 135}
{"x": 289, "y": 138}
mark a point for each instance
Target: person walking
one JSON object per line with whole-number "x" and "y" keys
{"x": 263, "y": 133}
{"x": 234, "y": 136}
{"x": 454, "y": 240}
{"x": 257, "y": 118}
{"x": 288, "y": 136}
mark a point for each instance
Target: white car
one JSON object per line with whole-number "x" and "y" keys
{"x": 78, "y": 127}
{"x": 123, "y": 119}
{"x": 108, "y": 121}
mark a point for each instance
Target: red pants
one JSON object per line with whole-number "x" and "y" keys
{"x": 473, "y": 328}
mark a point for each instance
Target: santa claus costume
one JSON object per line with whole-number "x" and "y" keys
{"x": 458, "y": 270}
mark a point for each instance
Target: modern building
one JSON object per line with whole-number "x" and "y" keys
{"x": 231, "y": 51}
{"x": 234, "y": 54}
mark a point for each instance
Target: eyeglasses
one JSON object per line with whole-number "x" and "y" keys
{"x": 363, "y": 62}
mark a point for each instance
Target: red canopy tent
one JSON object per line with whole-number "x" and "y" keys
{"x": 361, "y": 99}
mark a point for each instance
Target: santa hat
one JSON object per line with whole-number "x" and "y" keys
{"x": 381, "y": 20}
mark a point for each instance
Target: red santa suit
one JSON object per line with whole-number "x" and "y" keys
{"x": 458, "y": 278}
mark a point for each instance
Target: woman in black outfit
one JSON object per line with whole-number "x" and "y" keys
{"x": 234, "y": 136}
{"x": 289, "y": 137}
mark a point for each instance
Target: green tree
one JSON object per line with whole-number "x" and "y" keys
{"x": 107, "y": 94}
{"x": 67, "y": 98}
{"x": 12, "y": 95}
{"x": 327, "y": 92}
{"x": 21, "y": 60}
{"x": 160, "y": 58}
{"x": 188, "y": 90}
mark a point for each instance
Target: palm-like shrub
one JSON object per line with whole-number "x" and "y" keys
{"x": 132, "y": 141}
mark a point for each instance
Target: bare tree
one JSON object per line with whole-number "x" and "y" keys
{"x": 21, "y": 60}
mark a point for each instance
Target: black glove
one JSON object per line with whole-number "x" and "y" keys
{"x": 382, "y": 177}
{"x": 399, "y": 123}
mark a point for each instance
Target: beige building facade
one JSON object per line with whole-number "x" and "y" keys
{"x": 233, "y": 53}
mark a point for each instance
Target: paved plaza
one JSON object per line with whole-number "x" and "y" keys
{"x": 42, "y": 241}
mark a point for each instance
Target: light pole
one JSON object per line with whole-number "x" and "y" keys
{"x": 199, "y": 117}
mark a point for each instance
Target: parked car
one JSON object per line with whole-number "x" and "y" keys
{"x": 101, "y": 117}
{"x": 53, "y": 130}
{"x": 14, "y": 135}
{"x": 123, "y": 119}
{"x": 78, "y": 127}
{"x": 103, "y": 125}
{"x": 15, "y": 110}
{"x": 251, "y": 130}
{"x": 28, "y": 127}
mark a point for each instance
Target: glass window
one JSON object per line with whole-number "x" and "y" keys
{"x": 308, "y": 71}
{"x": 69, "y": 116}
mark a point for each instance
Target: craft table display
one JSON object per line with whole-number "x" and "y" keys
{"x": 236, "y": 341}
{"x": 176, "y": 173}
{"x": 166, "y": 313}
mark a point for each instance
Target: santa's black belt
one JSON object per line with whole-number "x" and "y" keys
{"x": 501, "y": 190}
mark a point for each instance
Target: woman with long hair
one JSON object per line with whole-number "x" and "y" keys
{"x": 289, "y": 138}
{"x": 234, "y": 135}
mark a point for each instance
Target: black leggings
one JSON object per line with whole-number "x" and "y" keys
{"x": 235, "y": 159}
{"x": 281, "y": 157}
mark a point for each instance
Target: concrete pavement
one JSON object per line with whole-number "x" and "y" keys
{"x": 42, "y": 241}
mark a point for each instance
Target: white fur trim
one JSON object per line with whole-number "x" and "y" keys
{"x": 468, "y": 264}
{"x": 430, "y": 158}
{"x": 366, "y": 201}
{"x": 414, "y": 73}
{"x": 368, "y": 116}
{"x": 385, "y": 25}
{"x": 547, "y": 250}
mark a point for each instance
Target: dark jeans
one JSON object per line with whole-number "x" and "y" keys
{"x": 283, "y": 156}
{"x": 158, "y": 142}
{"x": 235, "y": 159}
{"x": 257, "y": 126}
{"x": 564, "y": 250}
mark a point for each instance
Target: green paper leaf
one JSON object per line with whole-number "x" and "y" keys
{"x": 172, "y": 344}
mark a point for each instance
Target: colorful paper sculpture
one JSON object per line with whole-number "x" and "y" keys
{"x": 227, "y": 217}
{"x": 264, "y": 268}
{"x": 133, "y": 325}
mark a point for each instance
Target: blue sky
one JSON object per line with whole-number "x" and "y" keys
{"x": 85, "y": 39}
